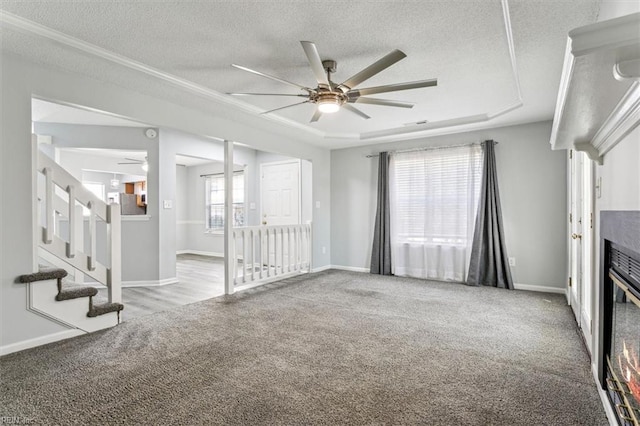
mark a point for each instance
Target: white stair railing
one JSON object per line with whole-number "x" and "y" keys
{"x": 265, "y": 253}
{"x": 61, "y": 193}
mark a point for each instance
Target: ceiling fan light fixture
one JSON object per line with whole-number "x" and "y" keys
{"x": 328, "y": 106}
{"x": 330, "y": 102}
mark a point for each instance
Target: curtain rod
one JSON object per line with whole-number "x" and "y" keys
{"x": 221, "y": 174}
{"x": 432, "y": 148}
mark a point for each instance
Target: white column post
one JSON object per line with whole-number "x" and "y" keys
{"x": 114, "y": 277}
{"x": 228, "y": 217}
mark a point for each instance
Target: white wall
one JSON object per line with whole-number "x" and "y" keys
{"x": 163, "y": 107}
{"x": 532, "y": 182}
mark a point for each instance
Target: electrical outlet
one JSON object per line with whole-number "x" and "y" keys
{"x": 168, "y": 204}
{"x": 512, "y": 261}
{"x": 324, "y": 250}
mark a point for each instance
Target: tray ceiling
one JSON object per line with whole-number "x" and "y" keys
{"x": 489, "y": 56}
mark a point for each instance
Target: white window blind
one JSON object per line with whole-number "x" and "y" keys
{"x": 214, "y": 201}
{"x": 434, "y": 197}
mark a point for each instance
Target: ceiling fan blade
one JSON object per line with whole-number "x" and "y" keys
{"x": 373, "y": 69}
{"x": 287, "y": 106}
{"x": 315, "y": 62}
{"x": 316, "y": 116}
{"x": 393, "y": 87}
{"x": 383, "y": 102}
{"x": 355, "y": 110}
{"x": 240, "y": 67}
{"x": 266, "y": 94}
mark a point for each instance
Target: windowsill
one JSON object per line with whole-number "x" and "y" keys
{"x": 214, "y": 231}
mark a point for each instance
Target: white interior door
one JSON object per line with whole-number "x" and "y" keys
{"x": 280, "y": 193}
{"x": 280, "y": 204}
{"x": 575, "y": 227}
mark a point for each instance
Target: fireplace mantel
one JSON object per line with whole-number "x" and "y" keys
{"x": 599, "y": 97}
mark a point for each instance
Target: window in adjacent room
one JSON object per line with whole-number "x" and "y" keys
{"x": 214, "y": 201}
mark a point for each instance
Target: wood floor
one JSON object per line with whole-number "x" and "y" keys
{"x": 200, "y": 278}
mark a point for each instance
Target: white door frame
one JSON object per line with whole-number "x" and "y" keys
{"x": 581, "y": 290}
{"x": 275, "y": 163}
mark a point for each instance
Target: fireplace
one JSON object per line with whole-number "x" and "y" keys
{"x": 619, "y": 341}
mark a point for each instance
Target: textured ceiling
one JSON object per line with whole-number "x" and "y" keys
{"x": 462, "y": 43}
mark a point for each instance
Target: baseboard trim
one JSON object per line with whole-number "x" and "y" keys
{"x": 201, "y": 253}
{"x": 539, "y": 288}
{"x": 321, "y": 268}
{"x": 39, "y": 341}
{"x": 150, "y": 283}
{"x": 603, "y": 397}
{"x": 350, "y": 268}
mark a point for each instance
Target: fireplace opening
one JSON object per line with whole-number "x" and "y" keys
{"x": 622, "y": 348}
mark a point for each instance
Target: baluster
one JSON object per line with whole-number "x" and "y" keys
{"x": 261, "y": 251}
{"x": 244, "y": 256}
{"x": 253, "y": 255}
{"x": 92, "y": 237}
{"x": 268, "y": 252}
{"x": 71, "y": 244}
{"x": 234, "y": 257}
{"x": 48, "y": 205}
{"x": 288, "y": 249}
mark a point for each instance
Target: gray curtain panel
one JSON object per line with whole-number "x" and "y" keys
{"x": 489, "y": 261}
{"x": 381, "y": 253}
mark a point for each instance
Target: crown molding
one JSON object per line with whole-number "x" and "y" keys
{"x": 599, "y": 97}
{"x": 18, "y": 23}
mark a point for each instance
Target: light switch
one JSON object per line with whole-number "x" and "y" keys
{"x": 168, "y": 204}
{"x": 252, "y": 206}
{"x": 317, "y": 204}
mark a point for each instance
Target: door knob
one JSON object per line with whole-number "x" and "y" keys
{"x": 576, "y": 236}
{"x": 264, "y": 222}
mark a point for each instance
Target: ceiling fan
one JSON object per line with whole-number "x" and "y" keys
{"x": 144, "y": 164}
{"x": 330, "y": 97}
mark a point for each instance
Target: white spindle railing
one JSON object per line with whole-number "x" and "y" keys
{"x": 264, "y": 253}
{"x": 70, "y": 248}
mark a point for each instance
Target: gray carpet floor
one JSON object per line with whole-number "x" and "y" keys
{"x": 329, "y": 348}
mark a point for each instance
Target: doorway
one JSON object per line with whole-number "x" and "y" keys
{"x": 581, "y": 245}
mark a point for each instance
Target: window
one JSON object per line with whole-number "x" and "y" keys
{"x": 214, "y": 201}
{"x": 435, "y": 194}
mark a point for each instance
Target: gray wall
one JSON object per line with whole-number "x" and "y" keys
{"x": 191, "y": 224}
{"x": 532, "y": 181}
{"x": 155, "y": 102}
{"x": 140, "y": 241}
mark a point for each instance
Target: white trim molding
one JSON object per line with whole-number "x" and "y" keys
{"x": 539, "y": 288}
{"x": 19, "y": 23}
{"x": 39, "y": 341}
{"x": 150, "y": 283}
{"x": 349, "y": 268}
{"x": 599, "y": 97}
{"x": 201, "y": 253}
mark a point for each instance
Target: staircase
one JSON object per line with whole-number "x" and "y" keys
{"x": 67, "y": 223}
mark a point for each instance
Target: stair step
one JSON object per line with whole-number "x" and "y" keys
{"x": 104, "y": 308}
{"x": 76, "y": 292}
{"x": 45, "y": 273}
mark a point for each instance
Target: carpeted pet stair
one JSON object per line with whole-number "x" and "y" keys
{"x": 68, "y": 290}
